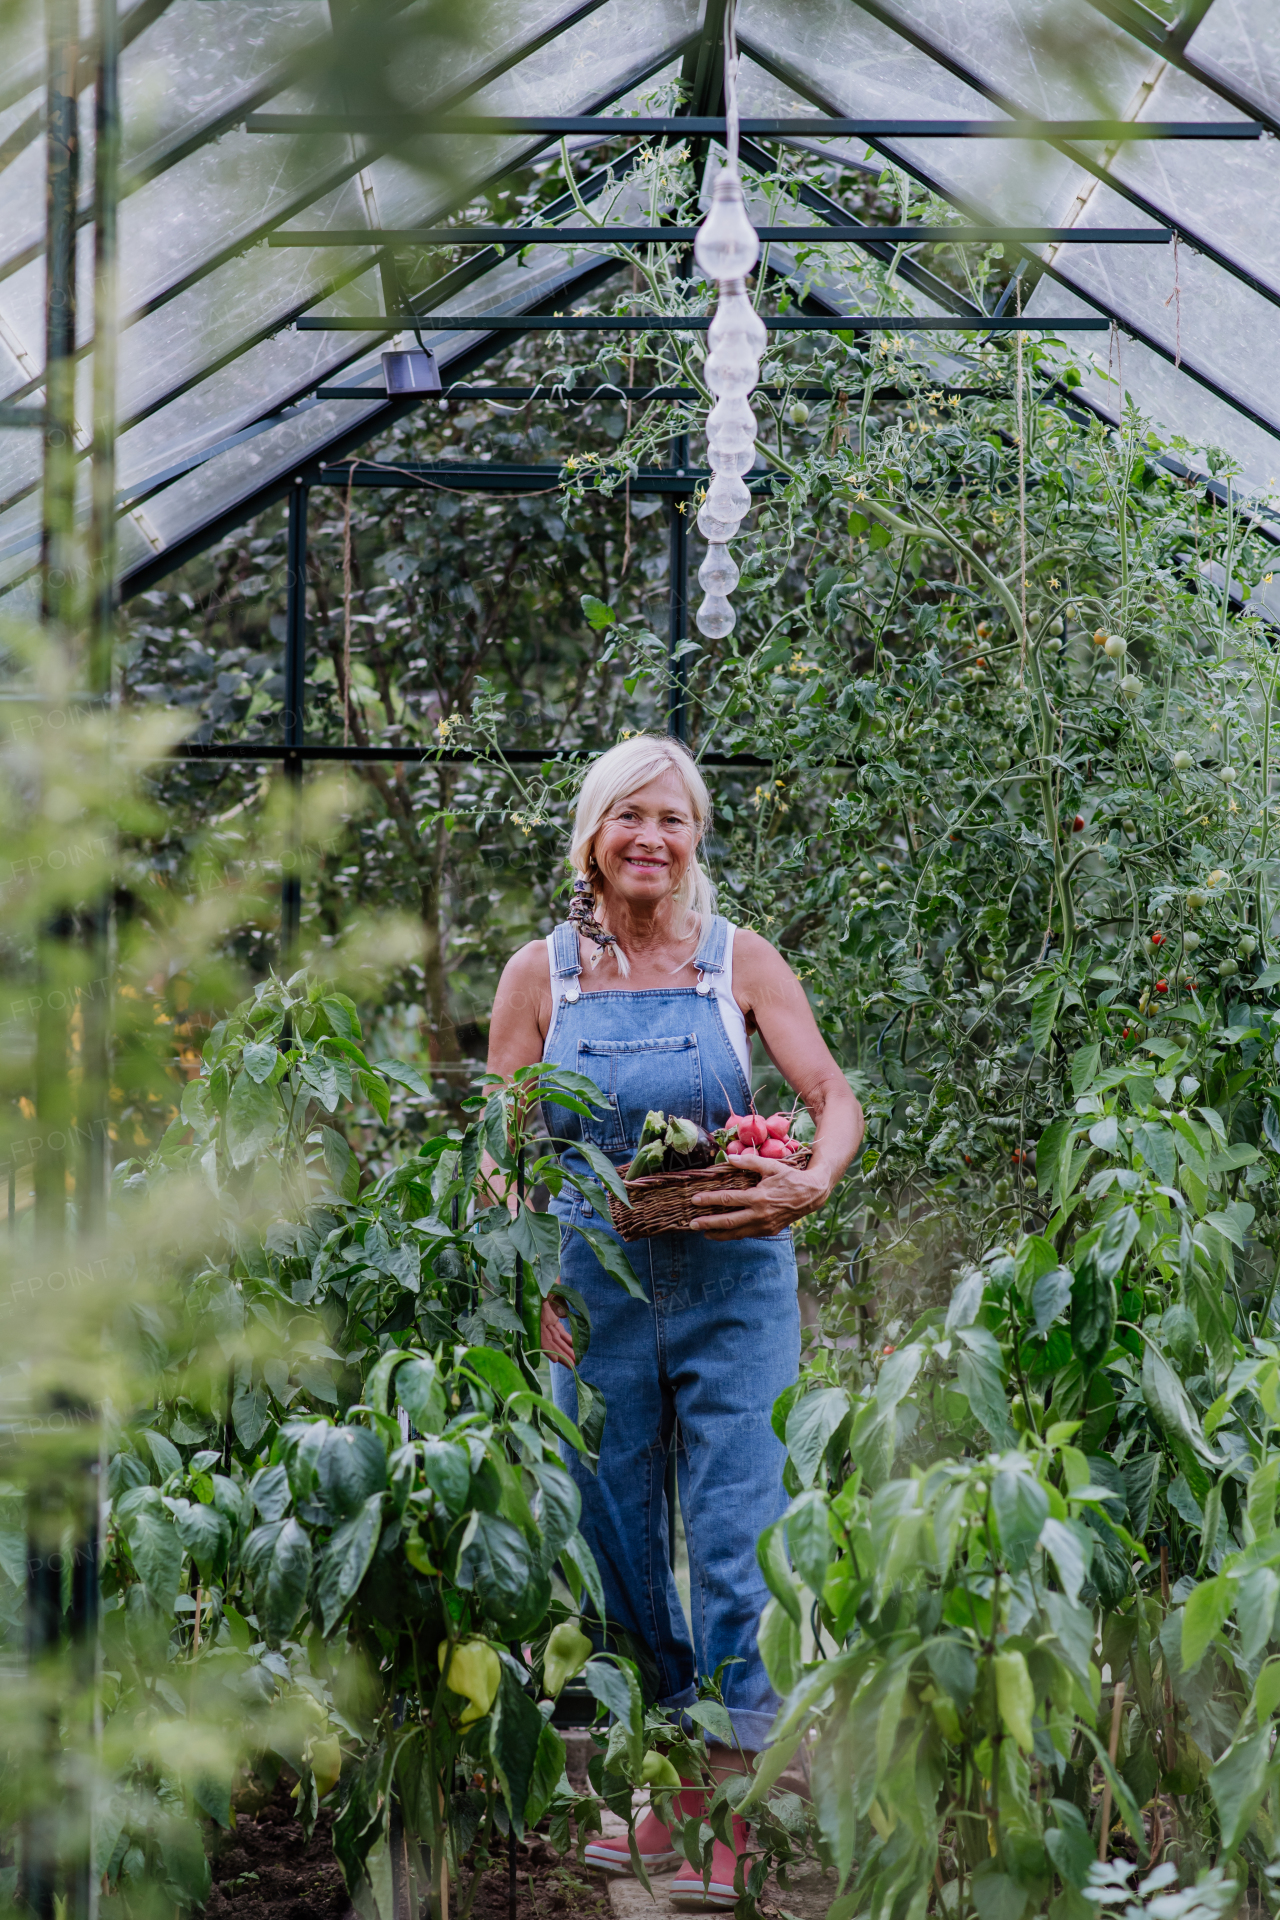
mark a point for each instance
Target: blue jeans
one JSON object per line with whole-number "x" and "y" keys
{"x": 715, "y": 1344}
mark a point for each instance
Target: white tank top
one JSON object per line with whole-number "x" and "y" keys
{"x": 721, "y": 985}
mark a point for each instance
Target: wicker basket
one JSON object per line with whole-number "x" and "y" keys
{"x": 663, "y": 1202}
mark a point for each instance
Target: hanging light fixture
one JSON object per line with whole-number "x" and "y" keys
{"x": 726, "y": 249}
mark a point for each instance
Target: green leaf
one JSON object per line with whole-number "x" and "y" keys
{"x": 404, "y": 1076}
{"x": 536, "y": 1237}
{"x": 1093, "y": 1312}
{"x": 615, "y": 1686}
{"x": 345, "y": 1561}
{"x": 496, "y": 1369}
{"x": 1167, "y": 1401}
{"x": 250, "y": 1411}
{"x": 1238, "y": 1784}
{"x": 980, "y": 1380}
{"x": 809, "y": 1540}
{"x": 375, "y": 1092}
{"x": 154, "y": 1547}
{"x": 340, "y": 1164}
{"x": 162, "y": 1450}
{"x": 1155, "y": 1144}
{"x": 579, "y": 1563}
{"x": 260, "y": 1060}
{"x": 340, "y": 1011}
{"x": 1084, "y": 1068}
{"x": 494, "y": 1559}
{"x": 1204, "y": 1614}
{"x": 1044, "y": 1011}
{"x": 609, "y": 1253}
{"x": 557, "y": 1508}
{"x": 598, "y": 616}
{"x": 1021, "y": 1507}
{"x": 182, "y": 1855}
{"x": 420, "y": 1393}
{"x": 1256, "y": 1611}
{"x": 253, "y": 1113}
{"x": 1071, "y": 1546}
{"x": 447, "y": 1471}
{"x": 1124, "y": 1800}
{"x": 810, "y": 1425}
{"x": 1111, "y": 1248}
{"x": 352, "y": 1467}
{"x": 603, "y": 1168}
{"x": 1050, "y": 1295}
{"x": 205, "y": 1534}
{"x": 1070, "y": 1845}
{"x": 777, "y": 1574}
{"x": 288, "y": 1578}
{"x": 779, "y": 1643}
{"x": 548, "y": 1767}
{"x": 515, "y": 1734}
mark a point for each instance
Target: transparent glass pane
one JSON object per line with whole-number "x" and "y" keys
{"x": 1238, "y": 39}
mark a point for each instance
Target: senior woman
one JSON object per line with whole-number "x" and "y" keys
{"x": 656, "y": 1000}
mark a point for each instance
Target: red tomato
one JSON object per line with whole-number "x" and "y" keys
{"x": 1158, "y": 939}
{"x": 1162, "y": 986}
{"x": 1077, "y": 825}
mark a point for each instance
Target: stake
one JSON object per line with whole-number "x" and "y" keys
{"x": 511, "y": 1874}
{"x": 1117, "y": 1707}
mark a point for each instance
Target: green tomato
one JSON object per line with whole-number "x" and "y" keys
{"x": 1182, "y": 760}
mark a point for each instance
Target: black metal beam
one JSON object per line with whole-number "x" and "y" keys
{"x": 691, "y": 323}
{"x": 456, "y": 477}
{"x": 295, "y": 693}
{"x": 640, "y": 396}
{"x": 420, "y": 126}
{"x": 517, "y": 238}
{"x": 678, "y": 595}
{"x": 261, "y": 753}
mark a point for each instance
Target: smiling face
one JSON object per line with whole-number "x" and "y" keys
{"x": 645, "y": 842}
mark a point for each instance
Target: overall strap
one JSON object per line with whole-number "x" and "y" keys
{"x": 709, "y": 958}
{"x": 567, "y": 963}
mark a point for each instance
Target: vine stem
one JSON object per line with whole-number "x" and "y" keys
{"x": 935, "y": 530}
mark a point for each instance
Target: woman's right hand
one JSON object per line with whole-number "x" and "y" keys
{"x": 556, "y": 1343}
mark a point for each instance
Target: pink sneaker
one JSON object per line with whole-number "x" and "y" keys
{"x": 611, "y": 1852}
{"x": 687, "y": 1889}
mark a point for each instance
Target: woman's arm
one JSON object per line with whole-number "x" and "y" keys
{"x": 768, "y": 990}
{"x": 517, "y": 1030}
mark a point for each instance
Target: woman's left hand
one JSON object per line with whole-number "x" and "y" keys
{"x": 784, "y": 1194}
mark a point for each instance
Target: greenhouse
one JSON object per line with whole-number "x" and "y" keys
{"x": 640, "y": 1079}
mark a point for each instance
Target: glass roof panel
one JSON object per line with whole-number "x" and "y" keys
{"x": 214, "y": 380}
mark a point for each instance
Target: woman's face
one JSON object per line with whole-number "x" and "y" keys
{"x": 646, "y": 841}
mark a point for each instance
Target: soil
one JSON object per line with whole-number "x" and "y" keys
{"x": 266, "y": 1870}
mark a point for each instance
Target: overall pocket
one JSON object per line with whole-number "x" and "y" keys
{"x": 636, "y": 1076}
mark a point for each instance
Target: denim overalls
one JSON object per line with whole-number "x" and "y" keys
{"x": 715, "y": 1344}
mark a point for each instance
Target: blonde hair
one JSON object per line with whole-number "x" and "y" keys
{"x": 624, "y": 769}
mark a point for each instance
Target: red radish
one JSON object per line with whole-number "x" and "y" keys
{"x": 734, "y": 1147}
{"x": 774, "y": 1150}
{"x": 779, "y": 1125}
{"x": 752, "y": 1131}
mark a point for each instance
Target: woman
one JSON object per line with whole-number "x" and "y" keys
{"x": 656, "y": 1000}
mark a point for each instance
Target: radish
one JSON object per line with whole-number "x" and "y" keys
{"x": 775, "y": 1150}
{"x": 752, "y": 1131}
{"x": 779, "y": 1125}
